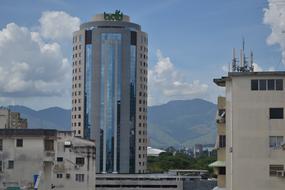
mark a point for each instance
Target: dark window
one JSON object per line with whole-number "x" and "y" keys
{"x": 222, "y": 141}
{"x": 59, "y": 176}
{"x": 274, "y": 168}
{"x": 79, "y": 161}
{"x": 262, "y": 84}
{"x": 271, "y": 84}
{"x": 133, "y": 38}
{"x": 279, "y": 84}
{"x": 79, "y": 177}
{"x": 88, "y": 37}
{"x": 60, "y": 159}
{"x": 10, "y": 164}
{"x": 48, "y": 145}
{"x": 254, "y": 84}
{"x": 222, "y": 170}
{"x": 276, "y": 113}
{"x": 1, "y": 144}
{"x": 19, "y": 142}
{"x": 67, "y": 176}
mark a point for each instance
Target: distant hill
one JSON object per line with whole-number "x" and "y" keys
{"x": 176, "y": 123}
{"x": 51, "y": 118}
{"x": 182, "y": 122}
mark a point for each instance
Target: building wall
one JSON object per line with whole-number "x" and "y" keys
{"x": 248, "y": 154}
{"x": 10, "y": 119}
{"x": 4, "y": 118}
{"x": 32, "y": 158}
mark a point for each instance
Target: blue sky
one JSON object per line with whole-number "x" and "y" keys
{"x": 193, "y": 37}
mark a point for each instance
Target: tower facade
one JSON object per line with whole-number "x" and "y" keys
{"x": 109, "y": 91}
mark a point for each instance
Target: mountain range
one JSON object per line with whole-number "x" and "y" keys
{"x": 177, "y": 123}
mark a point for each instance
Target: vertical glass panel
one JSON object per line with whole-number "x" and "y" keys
{"x": 88, "y": 90}
{"x": 111, "y": 58}
{"x": 133, "y": 68}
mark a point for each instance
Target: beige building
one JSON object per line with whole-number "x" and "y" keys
{"x": 254, "y": 130}
{"x": 56, "y": 159}
{"x": 9, "y": 119}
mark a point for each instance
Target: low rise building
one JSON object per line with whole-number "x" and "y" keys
{"x": 45, "y": 159}
{"x": 9, "y": 119}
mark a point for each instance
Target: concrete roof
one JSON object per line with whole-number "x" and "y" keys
{"x": 28, "y": 132}
{"x": 221, "y": 81}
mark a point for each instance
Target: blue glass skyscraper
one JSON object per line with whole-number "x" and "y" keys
{"x": 109, "y": 91}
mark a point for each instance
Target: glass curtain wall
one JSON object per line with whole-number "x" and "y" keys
{"x": 111, "y": 61}
{"x": 88, "y": 89}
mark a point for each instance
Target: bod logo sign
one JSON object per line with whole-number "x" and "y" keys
{"x": 117, "y": 16}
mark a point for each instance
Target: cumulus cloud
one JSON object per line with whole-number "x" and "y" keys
{"x": 256, "y": 68}
{"x": 274, "y": 16}
{"x": 58, "y": 25}
{"x": 167, "y": 83}
{"x": 29, "y": 65}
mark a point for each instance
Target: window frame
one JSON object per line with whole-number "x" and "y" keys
{"x": 273, "y": 168}
{"x": 19, "y": 143}
{"x": 253, "y": 86}
{"x": 277, "y": 142}
{"x": 11, "y": 164}
{"x": 273, "y": 113}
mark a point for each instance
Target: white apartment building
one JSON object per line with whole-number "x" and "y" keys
{"x": 45, "y": 159}
{"x": 254, "y": 130}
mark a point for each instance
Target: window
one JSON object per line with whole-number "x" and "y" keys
{"x": 276, "y": 113}
{"x": 262, "y": 84}
{"x": 79, "y": 161}
{"x": 67, "y": 176}
{"x": 79, "y": 177}
{"x": 274, "y": 168}
{"x": 1, "y": 144}
{"x": 10, "y": 164}
{"x": 222, "y": 141}
{"x": 60, "y": 159}
{"x": 59, "y": 176}
{"x": 1, "y": 166}
{"x": 222, "y": 170}
{"x": 275, "y": 141}
{"x": 279, "y": 84}
{"x": 271, "y": 84}
{"x": 19, "y": 142}
{"x": 267, "y": 84}
{"x": 254, "y": 84}
{"x": 48, "y": 145}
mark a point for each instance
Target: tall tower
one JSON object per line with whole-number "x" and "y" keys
{"x": 109, "y": 91}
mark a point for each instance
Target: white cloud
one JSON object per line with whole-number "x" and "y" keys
{"x": 33, "y": 63}
{"x": 257, "y": 68}
{"x": 274, "y": 16}
{"x": 58, "y": 25}
{"x": 167, "y": 83}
